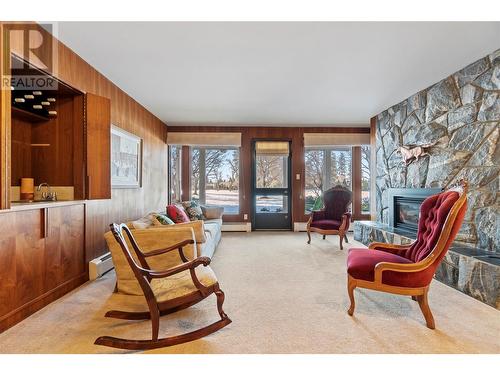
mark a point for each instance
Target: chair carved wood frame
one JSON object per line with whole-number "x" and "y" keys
{"x": 410, "y": 270}
{"x": 334, "y": 218}
{"x": 144, "y": 275}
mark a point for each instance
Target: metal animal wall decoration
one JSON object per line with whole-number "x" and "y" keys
{"x": 411, "y": 154}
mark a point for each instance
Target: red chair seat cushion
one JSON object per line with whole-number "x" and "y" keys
{"x": 361, "y": 265}
{"x": 326, "y": 224}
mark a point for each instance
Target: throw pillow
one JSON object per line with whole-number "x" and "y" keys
{"x": 193, "y": 210}
{"x": 177, "y": 213}
{"x": 144, "y": 222}
{"x": 164, "y": 219}
{"x": 212, "y": 212}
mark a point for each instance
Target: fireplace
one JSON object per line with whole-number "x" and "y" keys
{"x": 404, "y": 207}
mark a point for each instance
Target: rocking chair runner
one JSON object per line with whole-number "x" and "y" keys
{"x": 334, "y": 218}
{"x": 408, "y": 269}
{"x": 164, "y": 296}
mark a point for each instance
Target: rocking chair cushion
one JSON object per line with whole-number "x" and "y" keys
{"x": 361, "y": 265}
{"x": 326, "y": 224}
{"x": 181, "y": 284}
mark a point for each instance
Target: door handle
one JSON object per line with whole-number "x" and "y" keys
{"x": 45, "y": 222}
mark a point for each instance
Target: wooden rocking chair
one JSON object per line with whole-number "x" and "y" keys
{"x": 165, "y": 296}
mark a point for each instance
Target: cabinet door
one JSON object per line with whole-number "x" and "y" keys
{"x": 22, "y": 252}
{"x": 64, "y": 245}
{"x": 98, "y": 147}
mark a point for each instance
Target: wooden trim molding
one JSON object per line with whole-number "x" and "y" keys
{"x": 5, "y": 116}
{"x": 373, "y": 168}
{"x": 185, "y": 173}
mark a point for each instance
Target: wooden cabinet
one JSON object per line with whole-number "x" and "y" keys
{"x": 64, "y": 244}
{"x": 98, "y": 147}
{"x": 42, "y": 257}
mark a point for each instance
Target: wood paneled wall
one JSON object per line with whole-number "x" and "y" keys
{"x": 126, "y": 113}
{"x": 249, "y": 133}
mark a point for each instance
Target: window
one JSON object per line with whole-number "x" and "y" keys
{"x": 325, "y": 168}
{"x": 215, "y": 177}
{"x": 365, "y": 180}
{"x": 174, "y": 165}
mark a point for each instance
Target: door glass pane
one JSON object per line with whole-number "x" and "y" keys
{"x": 271, "y": 204}
{"x": 271, "y": 171}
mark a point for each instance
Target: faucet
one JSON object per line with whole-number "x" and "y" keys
{"x": 48, "y": 195}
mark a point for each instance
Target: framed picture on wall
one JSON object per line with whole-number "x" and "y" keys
{"x": 126, "y": 159}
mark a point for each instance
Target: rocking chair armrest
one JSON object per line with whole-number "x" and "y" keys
{"x": 177, "y": 246}
{"x": 191, "y": 265}
{"x": 397, "y": 267}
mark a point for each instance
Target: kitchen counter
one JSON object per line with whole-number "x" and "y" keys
{"x": 25, "y": 206}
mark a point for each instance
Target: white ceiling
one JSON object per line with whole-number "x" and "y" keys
{"x": 299, "y": 73}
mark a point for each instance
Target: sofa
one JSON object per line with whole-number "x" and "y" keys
{"x": 205, "y": 233}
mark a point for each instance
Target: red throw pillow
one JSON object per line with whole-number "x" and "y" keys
{"x": 177, "y": 214}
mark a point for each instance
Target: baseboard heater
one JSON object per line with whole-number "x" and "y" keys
{"x": 99, "y": 266}
{"x": 236, "y": 227}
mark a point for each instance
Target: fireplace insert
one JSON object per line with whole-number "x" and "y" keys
{"x": 404, "y": 207}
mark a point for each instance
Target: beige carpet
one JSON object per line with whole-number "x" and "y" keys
{"x": 283, "y": 296}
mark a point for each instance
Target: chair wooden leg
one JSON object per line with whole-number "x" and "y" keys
{"x": 324, "y": 236}
{"x": 423, "y": 302}
{"x": 309, "y": 236}
{"x": 155, "y": 323}
{"x": 220, "y": 301}
{"x": 341, "y": 236}
{"x": 345, "y": 238}
{"x": 414, "y": 298}
{"x": 351, "y": 285}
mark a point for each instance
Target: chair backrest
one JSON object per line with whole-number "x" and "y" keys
{"x": 336, "y": 202}
{"x": 138, "y": 269}
{"x": 441, "y": 216}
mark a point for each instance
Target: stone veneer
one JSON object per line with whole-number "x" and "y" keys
{"x": 460, "y": 117}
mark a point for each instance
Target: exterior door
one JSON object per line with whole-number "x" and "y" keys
{"x": 271, "y": 185}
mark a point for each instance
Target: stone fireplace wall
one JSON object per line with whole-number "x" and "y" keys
{"x": 459, "y": 119}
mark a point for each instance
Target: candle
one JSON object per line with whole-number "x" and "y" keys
{"x": 27, "y": 188}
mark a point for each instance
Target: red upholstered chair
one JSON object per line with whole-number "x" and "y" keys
{"x": 409, "y": 269}
{"x": 334, "y": 218}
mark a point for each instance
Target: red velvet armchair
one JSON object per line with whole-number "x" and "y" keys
{"x": 409, "y": 269}
{"x": 334, "y": 218}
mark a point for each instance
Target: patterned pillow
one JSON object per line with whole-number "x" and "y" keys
{"x": 164, "y": 219}
{"x": 193, "y": 210}
{"x": 177, "y": 213}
